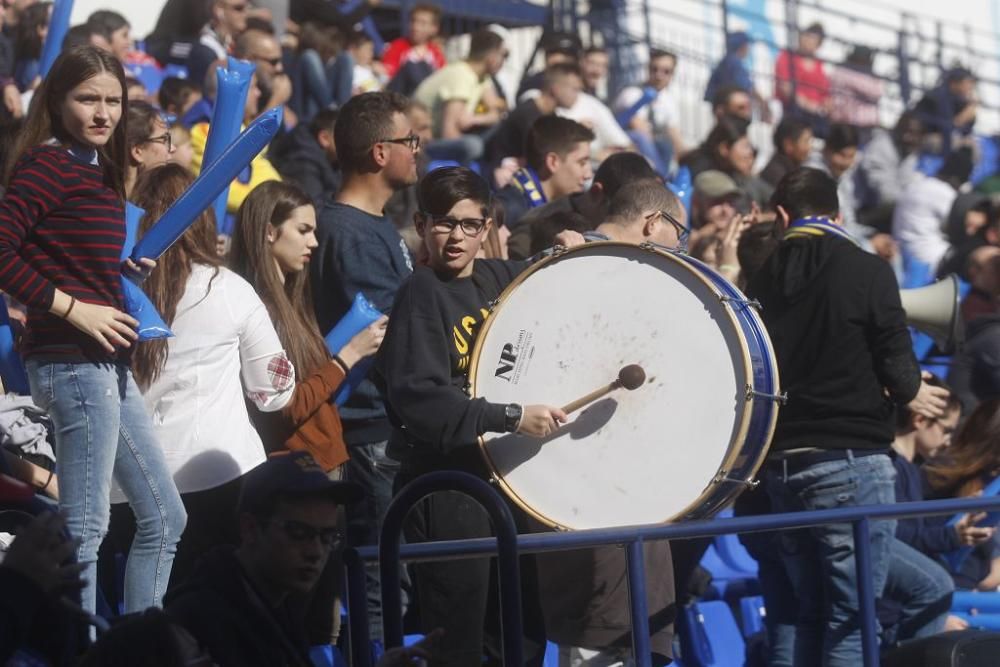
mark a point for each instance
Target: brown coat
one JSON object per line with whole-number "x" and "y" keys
{"x": 310, "y": 421}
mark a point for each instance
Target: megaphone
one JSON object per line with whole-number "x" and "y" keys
{"x": 935, "y": 310}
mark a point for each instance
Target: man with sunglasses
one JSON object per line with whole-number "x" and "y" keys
{"x": 650, "y": 113}
{"x": 361, "y": 251}
{"x": 240, "y": 604}
{"x": 264, "y": 51}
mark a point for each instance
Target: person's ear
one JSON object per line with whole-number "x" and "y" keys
{"x": 420, "y": 223}
{"x": 597, "y": 188}
{"x": 135, "y": 152}
{"x": 380, "y": 153}
{"x": 782, "y": 216}
{"x": 272, "y": 233}
{"x": 324, "y": 138}
{"x": 649, "y": 225}
{"x": 552, "y": 162}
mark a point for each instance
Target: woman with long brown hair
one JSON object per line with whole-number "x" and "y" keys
{"x": 62, "y": 228}
{"x": 272, "y": 244}
{"x": 224, "y": 348}
{"x": 965, "y": 468}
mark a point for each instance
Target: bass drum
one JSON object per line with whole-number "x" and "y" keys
{"x": 680, "y": 446}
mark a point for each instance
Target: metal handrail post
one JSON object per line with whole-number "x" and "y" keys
{"x": 636, "y": 571}
{"x": 507, "y": 555}
{"x": 359, "y": 647}
{"x": 866, "y": 593}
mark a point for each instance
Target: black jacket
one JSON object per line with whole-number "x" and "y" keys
{"x": 219, "y": 606}
{"x": 424, "y": 362}
{"x": 301, "y": 159}
{"x": 840, "y": 336}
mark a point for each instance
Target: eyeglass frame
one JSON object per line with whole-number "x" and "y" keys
{"x": 404, "y": 141}
{"x": 329, "y": 538}
{"x": 683, "y": 233}
{"x": 164, "y": 139}
{"x": 432, "y": 219}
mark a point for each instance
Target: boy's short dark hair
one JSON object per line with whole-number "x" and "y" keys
{"x": 806, "y": 192}
{"x": 595, "y": 49}
{"x": 842, "y": 136}
{"x": 789, "y": 129}
{"x": 723, "y": 93}
{"x": 427, "y": 8}
{"x": 544, "y": 230}
{"x": 622, "y": 168}
{"x": 904, "y": 414}
{"x": 326, "y": 119}
{"x": 363, "y": 121}
{"x": 484, "y": 41}
{"x": 78, "y": 35}
{"x": 174, "y": 93}
{"x": 442, "y": 188}
{"x": 559, "y": 71}
{"x": 656, "y": 54}
{"x": 358, "y": 37}
{"x": 553, "y": 134}
{"x": 105, "y": 22}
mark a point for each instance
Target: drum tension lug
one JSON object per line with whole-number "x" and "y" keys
{"x": 752, "y": 393}
{"x": 723, "y": 476}
{"x": 753, "y": 303}
{"x": 559, "y": 250}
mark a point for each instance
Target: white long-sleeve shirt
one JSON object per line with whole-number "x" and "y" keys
{"x": 224, "y": 346}
{"x": 919, "y": 219}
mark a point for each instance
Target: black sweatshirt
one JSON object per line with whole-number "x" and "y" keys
{"x": 424, "y": 361}
{"x": 840, "y": 336}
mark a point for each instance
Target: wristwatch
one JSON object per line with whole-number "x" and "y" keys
{"x": 512, "y": 417}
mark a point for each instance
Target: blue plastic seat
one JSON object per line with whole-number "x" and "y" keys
{"x": 752, "y": 615}
{"x": 710, "y": 636}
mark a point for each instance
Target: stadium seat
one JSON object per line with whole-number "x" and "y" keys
{"x": 982, "y": 602}
{"x": 710, "y": 636}
{"x": 752, "y": 615}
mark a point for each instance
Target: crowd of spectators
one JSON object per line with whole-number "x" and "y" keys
{"x": 328, "y": 210}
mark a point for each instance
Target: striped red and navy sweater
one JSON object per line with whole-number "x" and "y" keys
{"x": 60, "y": 226}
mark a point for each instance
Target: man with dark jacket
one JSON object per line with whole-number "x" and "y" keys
{"x": 360, "y": 251}
{"x": 844, "y": 356}
{"x": 309, "y": 157}
{"x": 237, "y": 604}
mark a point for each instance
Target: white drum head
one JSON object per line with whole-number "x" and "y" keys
{"x": 633, "y": 457}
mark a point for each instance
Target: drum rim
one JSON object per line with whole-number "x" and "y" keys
{"x": 732, "y": 452}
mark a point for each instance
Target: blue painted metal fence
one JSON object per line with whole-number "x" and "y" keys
{"x": 509, "y": 545}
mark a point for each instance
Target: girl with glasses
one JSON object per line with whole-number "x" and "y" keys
{"x": 149, "y": 141}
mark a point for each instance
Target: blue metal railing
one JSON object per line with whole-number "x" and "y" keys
{"x": 632, "y": 537}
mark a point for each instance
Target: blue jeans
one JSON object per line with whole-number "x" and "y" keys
{"x": 318, "y": 85}
{"x": 102, "y": 429}
{"x": 373, "y": 469}
{"x": 819, "y": 561}
{"x": 922, "y": 587}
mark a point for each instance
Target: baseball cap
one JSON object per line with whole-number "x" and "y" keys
{"x": 292, "y": 475}
{"x": 562, "y": 42}
{"x": 715, "y": 184}
{"x": 737, "y": 40}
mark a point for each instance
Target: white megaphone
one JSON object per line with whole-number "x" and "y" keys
{"x": 935, "y": 310}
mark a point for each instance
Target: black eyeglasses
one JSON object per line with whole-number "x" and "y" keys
{"x": 443, "y": 224}
{"x": 302, "y": 532}
{"x": 411, "y": 141}
{"x": 162, "y": 139}
{"x": 682, "y": 231}
{"x": 239, "y": 7}
{"x": 273, "y": 62}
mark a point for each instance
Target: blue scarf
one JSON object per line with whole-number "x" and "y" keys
{"x": 526, "y": 180}
{"x": 817, "y": 225}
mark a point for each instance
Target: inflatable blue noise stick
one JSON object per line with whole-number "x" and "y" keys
{"x": 208, "y": 185}
{"x": 681, "y": 186}
{"x": 648, "y": 95}
{"x": 137, "y": 303}
{"x": 227, "y": 117}
{"x": 15, "y": 378}
{"x": 58, "y": 27}
{"x": 361, "y": 314}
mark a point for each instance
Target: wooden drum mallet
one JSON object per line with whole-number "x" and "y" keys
{"x": 630, "y": 377}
